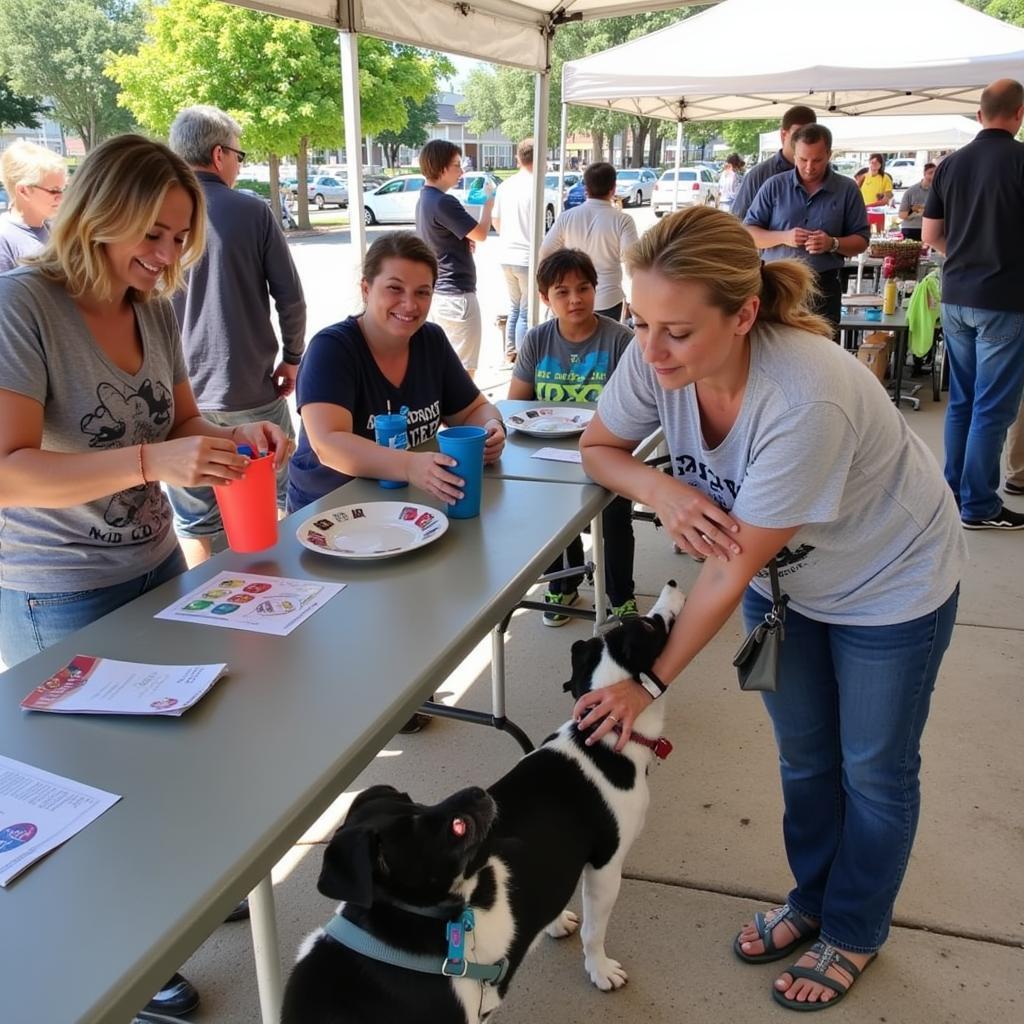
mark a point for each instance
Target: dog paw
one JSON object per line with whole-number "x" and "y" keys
{"x": 607, "y": 974}
{"x": 565, "y": 924}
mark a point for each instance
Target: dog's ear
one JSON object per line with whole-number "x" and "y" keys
{"x": 586, "y": 654}
{"x": 641, "y": 641}
{"x": 347, "y": 872}
{"x": 375, "y": 793}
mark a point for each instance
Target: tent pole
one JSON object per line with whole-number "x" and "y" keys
{"x": 679, "y": 148}
{"x": 348, "y": 45}
{"x": 561, "y": 156}
{"x": 541, "y": 95}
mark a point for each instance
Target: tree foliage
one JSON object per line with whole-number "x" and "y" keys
{"x": 419, "y": 118}
{"x": 60, "y": 49}
{"x": 18, "y": 111}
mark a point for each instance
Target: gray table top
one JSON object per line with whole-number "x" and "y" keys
{"x": 517, "y": 462}
{"x": 857, "y": 320}
{"x": 213, "y": 799}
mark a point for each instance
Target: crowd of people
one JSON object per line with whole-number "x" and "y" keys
{"x": 139, "y": 355}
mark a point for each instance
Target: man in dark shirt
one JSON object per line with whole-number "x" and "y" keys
{"x": 813, "y": 214}
{"x": 792, "y": 121}
{"x": 974, "y": 213}
{"x": 238, "y": 369}
{"x": 450, "y": 230}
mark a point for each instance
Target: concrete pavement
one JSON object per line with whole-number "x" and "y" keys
{"x": 711, "y": 852}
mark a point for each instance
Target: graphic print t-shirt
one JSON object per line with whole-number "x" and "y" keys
{"x": 817, "y": 444}
{"x": 48, "y": 354}
{"x": 570, "y": 371}
{"x": 339, "y": 369}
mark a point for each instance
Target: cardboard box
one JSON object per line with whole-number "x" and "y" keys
{"x": 874, "y": 353}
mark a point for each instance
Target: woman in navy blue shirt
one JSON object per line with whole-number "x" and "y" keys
{"x": 386, "y": 357}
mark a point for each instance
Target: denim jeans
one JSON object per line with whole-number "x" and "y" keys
{"x": 619, "y": 543}
{"x": 986, "y": 380}
{"x": 517, "y": 279}
{"x": 31, "y": 622}
{"x": 848, "y": 717}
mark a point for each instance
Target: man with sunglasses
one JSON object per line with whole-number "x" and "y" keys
{"x": 231, "y": 349}
{"x": 35, "y": 178}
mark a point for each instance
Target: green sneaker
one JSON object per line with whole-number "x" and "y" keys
{"x": 627, "y": 608}
{"x": 566, "y": 601}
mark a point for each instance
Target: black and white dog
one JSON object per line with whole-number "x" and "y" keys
{"x": 443, "y": 902}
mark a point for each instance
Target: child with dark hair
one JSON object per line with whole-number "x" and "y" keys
{"x": 569, "y": 358}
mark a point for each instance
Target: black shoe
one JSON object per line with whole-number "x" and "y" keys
{"x": 176, "y": 997}
{"x": 240, "y": 913}
{"x": 1004, "y": 519}
{"x": 1013, "y": 488}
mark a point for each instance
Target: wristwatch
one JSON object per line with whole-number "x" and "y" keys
{"x": 651, "y": 683}
{"x": 835, "y": 245}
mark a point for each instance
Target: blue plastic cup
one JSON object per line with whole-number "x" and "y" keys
{"x": 392, "y": 431}
{"x": 466, "y": 445}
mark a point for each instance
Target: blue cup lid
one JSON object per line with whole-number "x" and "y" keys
{"x": 244, "y": 449}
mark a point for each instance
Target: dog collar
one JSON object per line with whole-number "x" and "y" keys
{"x": 662, "y": 747}
{"x": 454, "y": 965}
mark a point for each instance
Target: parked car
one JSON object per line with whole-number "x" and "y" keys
{"x": 576, "y": 196}
{"x": 904, "y": 171}
{"x": 635, "y": 187}
{"x": 697, "y": 187}
{"x": 4, "y": 201}
{"x": 327, "y": 190}
{"x": 395, "y": 201}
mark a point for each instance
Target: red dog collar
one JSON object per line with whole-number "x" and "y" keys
{"x": 662, "y": 747}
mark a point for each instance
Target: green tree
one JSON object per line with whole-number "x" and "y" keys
{"x": 18, "y": 111}
{"x": 419, "y": 118}
{"x": 59, "y": 50}
{"x": 277, "y": 77}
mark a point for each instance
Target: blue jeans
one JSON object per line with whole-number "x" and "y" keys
{"x": 31, "y": 622}
{"x": 848, "y": 717}
{"x": 518, "y": 281}
{"x": 986, "y": 380}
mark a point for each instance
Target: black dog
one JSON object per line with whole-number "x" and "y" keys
{"x": 442, "y": 903}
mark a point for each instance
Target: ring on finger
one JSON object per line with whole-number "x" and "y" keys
{"x": 613, "y": 718}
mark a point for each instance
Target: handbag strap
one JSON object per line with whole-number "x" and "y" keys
{"x": 779, "y": 600}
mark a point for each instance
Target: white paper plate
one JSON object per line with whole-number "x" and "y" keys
{"x": 551, "y": 421}
{"x": 373, "y": 529}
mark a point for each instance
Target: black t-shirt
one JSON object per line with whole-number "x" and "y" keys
{"x": 340, "y": 369}
{"x": 443, "y": 223}
{"x": 979, "y": 192}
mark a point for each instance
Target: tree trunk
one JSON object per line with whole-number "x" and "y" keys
{"x": 300, "y": 176}
{"x": 597, "y": 151}
{"x": 640, "y": 130}
{"x": 274, "y": 162}
{"x": 657, "y": 141}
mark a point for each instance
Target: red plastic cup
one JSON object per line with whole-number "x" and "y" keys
{"x": 248, "y": 506}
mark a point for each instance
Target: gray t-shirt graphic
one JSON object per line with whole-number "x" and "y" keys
{"x": 817, "y": 443}
{"x": 568, "y": 371}
{"x": 47, "y": 353}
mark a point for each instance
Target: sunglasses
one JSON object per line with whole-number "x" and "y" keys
{"x": 240, "y": 153}
{"x": 50, "y": 191}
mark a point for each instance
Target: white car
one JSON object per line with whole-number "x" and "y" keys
{"x": 697, "y": 187}
{"x": 395, "y": 201}
{"x": 327, "y": 190}
{"x": 904, "y": 171}
{"x": 635, "y": 187}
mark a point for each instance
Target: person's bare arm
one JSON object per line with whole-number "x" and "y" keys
{"x": 933, "y": 233}
{"x": 767, "y": 239}
{"x": 521, "y": 390}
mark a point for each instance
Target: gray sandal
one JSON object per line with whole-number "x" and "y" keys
{"x": 805, "y": 932}
{"x": 828, "y": 956}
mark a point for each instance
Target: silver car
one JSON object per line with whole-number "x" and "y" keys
{"x": 635, "y": 187}
{"x": 327, "y": 190}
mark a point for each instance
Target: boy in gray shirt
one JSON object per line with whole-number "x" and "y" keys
{"x": 570, "y": 358}
{"x": 912, "y": 204}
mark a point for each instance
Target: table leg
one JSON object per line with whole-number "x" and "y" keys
{"x": 600, "y": 599}
{"x": 265, "y": 950}
{"x": 498, "y": 672}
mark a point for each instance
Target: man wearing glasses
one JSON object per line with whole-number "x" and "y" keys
{"x": 34, "y": 178}
{"x": 231, "y": 350}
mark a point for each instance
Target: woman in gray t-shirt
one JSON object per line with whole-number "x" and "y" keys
{"x": 785, "y": 447}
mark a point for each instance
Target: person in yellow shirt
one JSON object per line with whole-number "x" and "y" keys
{"x": 876, "y": 188}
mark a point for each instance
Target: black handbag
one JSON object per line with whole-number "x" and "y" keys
{"x": 757, "y": 660}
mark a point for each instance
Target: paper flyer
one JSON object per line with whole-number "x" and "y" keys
{"x": 558, "y": 454}
{"x": 39, "y": 811}
{"x": 103, "y": 686}
{"x": 259, "y": 604}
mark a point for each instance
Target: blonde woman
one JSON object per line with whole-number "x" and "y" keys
{"x": 96, "y": 409}
{"x": 784, "y": 447}
{"x": 34, "y": 178}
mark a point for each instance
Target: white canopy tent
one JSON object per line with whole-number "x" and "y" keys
{"x": 889, "y": 134}
{"x": 753, "y": 59}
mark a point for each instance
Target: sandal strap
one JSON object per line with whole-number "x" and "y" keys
{"x": 828, "y": 956}
{"x": 765, "y": 927}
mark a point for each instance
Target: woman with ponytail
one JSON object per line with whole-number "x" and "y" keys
{"x": 784, "y": 447}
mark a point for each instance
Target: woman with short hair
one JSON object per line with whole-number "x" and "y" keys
{"x": 785, "y": 449}
{"x": 34, "y": 178}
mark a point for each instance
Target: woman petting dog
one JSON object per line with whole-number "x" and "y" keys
{"x": 784, "y": 447}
